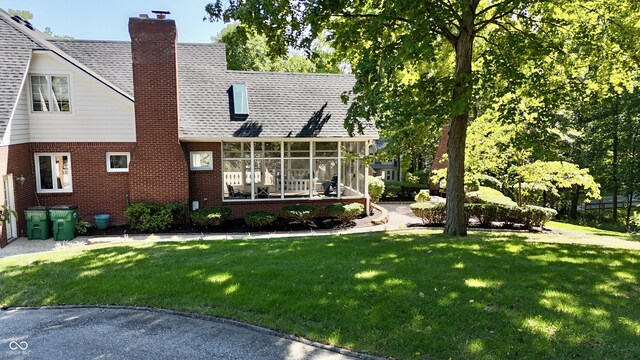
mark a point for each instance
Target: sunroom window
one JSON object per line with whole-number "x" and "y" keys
{"x": 53, "y": 172}
{"x": 293, "y": 170}
{"x": 50, "y": 93}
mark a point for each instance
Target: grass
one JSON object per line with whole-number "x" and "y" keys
{"x": 413, "y": 295}
{"x": 591, "y": 231}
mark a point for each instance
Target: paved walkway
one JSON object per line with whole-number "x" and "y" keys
{"x": 137, "y": 333}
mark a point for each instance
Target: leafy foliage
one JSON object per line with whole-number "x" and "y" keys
{"x": 376, "y": 188}
{"x": 258, "y": 219}
{"x": 423, "y": 196}
{"x": 553, "y": 175}
{"x": 345, "y": 212}
{"x": 486, "y": 195}
{"x": 82, "y": 227}
{"x": 249, "y": 51}
{"x": 430, "y": 213}
{"x": 154, "y": 217}
{"x": 485, "y": 214}
{"x": 209, "y": 217}
{"x": 302, "y": 214}
{"x": 6, "y": 213}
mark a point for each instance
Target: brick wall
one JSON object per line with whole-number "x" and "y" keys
{"x": 17, "y": 160}
{"x": 95, "y": 190}
{"x": 438, "y": 162}
{"x": 158, "y": 169}
{"x": 205, "y": 185}
{"x": 208, "y": 185}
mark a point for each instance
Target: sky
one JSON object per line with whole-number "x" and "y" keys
{"x": 108, "y": 19}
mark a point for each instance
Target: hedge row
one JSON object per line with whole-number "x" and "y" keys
{"x": 155, "y": 217}
{"x": 529, "y": 216}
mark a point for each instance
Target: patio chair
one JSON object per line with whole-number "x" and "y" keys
{"x": 234, "y": 193}
{"x": 329, "y": 188}
{"x": 262, "y": 192}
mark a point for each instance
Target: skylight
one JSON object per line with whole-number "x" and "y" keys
{"x": 240, "y": 102}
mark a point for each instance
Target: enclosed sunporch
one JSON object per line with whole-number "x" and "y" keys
{"x": 296, "y": 169}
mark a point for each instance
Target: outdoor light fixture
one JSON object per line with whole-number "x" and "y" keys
{"x": 21, "y": 179}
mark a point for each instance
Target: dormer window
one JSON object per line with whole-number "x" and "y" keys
{"x": 50, "y": 93}
{"x": 240, "y": 102}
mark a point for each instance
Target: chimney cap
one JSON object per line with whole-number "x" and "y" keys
{"x": 161, "y": 12}
{"x": 143, "y": 16}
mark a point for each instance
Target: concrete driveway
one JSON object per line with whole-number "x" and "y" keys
{"x": 138, "y": 333}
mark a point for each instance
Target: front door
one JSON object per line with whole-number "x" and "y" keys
{"x": 9, "y": 201}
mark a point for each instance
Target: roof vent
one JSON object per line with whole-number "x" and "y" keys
{"x": 239, "y": 100}
{"x": 28, "y": 25}
{"x": 17, "y": 19}
{"x": 161, "y": 14}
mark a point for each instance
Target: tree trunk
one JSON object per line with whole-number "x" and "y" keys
{"x": 614, "y": 166}
{"x": 629, "y": 207}
{"x": 456, "y": 221}
{"x": 575, "y": 195}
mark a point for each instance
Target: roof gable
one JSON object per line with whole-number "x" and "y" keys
{"x": 15, "y": 54}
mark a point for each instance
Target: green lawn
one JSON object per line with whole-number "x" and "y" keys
{"x": 413, "y": 295}
{"x": 591, "y": 231}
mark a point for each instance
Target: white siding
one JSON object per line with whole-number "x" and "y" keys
{"x": 98, "y": 113}
{"x": 19, "y": 126}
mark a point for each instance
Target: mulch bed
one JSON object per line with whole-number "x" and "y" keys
{"x": 239, "y": 226}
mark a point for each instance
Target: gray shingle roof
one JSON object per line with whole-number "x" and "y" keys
{"x": 15, "y": 52}
{"x": 280, "y": 104}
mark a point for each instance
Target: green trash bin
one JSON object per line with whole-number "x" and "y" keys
{"x": 37, "y": 223}
{"x": 63, "y": 221}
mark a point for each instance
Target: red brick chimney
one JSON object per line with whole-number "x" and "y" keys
{"x": 158, "y": 170}
{"x": 439, "y": 161}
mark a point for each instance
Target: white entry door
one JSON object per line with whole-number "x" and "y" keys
{"x": 9, "y": 200}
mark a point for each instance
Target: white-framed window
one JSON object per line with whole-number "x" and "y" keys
{"x": 201, "y": 160}
{"x": 50, "y": 93}
{"x": 53, "y": 172}
{"x": 118, "y": 161}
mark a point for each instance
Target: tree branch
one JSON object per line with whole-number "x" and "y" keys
{"x": 352, "y": 15}
{"x": 481, "y": 25}
{"x": 488, "y": 8}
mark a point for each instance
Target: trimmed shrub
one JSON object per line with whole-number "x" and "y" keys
{"x": 486, "y": 195}
{"x": 490, "y": 181}
{"x": 149, "y": 216}
{"x": 391, "y": 191}
{"x": 528, "y": 216}
{"x": 376, "y": 188}
{"x": 345, "y": 212}
{"x": 538, "y": 216}
{"x": 210, "y": 217}
{"x": 423, "y": 196}
{"x": 179, "y": 213}
{"x": 300, "y": 213}
{"x": 430, "y": 213}
{"x": 258, "y": 219}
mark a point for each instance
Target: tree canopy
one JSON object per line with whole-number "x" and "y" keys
{"x": 247, "y": 50}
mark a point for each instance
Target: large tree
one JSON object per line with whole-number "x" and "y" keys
{"x": 387, "y": 39}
